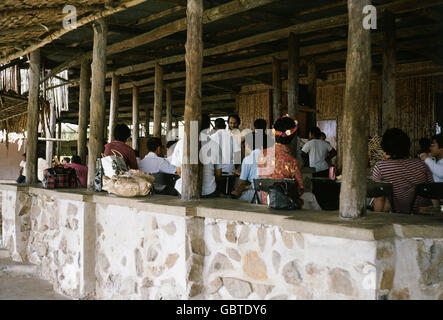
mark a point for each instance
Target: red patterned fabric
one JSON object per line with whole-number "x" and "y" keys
{"x": 59, "y": 177}
{"x": 278, "y": 163}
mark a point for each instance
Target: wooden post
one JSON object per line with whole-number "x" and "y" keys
{"x": 50, "y": 133}
{"x": 168, "y": 108}
{"x": 293, "y": 74}
{"x": 83, "y": 108}
{"x": 97, "y": 101}
{"x": 276, "y": 93}
{"x": 355, "y": 114}
{"x": 158, "y": 100}
{"x": 59, "y": 136}
{"x": 147, "y": 119}
{"x": 191, "y": 173}
{"x": 18, "y": 79}
{"x": 113, "y": 109}
{"x": 312, "y": 92}
{"x": 135, "y": 109}
{"x": 33, "y": 112}
{"x": 389, "y": 65}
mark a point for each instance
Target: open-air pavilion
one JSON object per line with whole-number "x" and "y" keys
{"x": 355, "y": 71}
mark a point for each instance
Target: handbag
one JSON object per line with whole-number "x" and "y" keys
{"x": 284, "y": 196}
{"x": 282, "y": 193}
{"x": 113, "y": 165}
{"x": 60, "y": 177}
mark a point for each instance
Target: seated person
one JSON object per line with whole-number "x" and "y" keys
{"x": 309, "y": 199}
{"x": 320, "y": 153}
{"x": 66, "y": 160}
{"x": 403, "y": 172}
{"x": 249, "y": 168}
{"x": 81, "y": 170}
{"x": 211, "y": 163}
{"x": 121, "y": 134}
{"x": 230, "y": 149}
{"x": 22, "y": 172}
{"x": 436, "y": 166}
{"x": 277, "y": 161}
{"x": 154, "y": 162}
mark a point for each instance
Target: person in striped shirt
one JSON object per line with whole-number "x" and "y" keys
{"x": 402, "y": 171}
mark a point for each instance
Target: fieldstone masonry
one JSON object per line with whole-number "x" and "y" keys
{"x": 110, "y": 248}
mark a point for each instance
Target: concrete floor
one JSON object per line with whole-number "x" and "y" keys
{"x": 20, "y": 281}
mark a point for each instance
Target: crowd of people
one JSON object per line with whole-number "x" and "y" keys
{"x": 251, "y": 155}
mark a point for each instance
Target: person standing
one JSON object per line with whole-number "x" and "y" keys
{"x": 230, "y": 149}
{"x": 320, "y": 153}
{"x": 22, "y": 172}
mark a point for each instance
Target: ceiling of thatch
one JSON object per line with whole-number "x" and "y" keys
{"x": 418, "y": 26}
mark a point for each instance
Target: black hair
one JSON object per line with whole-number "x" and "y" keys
{"x": 122, "y": 132}
{"x": 236, "y": 117}
{"x": 170, "y": 143}
{"x": 260, "y": 124}
{"x": 206, "y": 122}
{"x": 396, "y": 143}
{"x": 67, "y": 159}
{"x": 424, "y": 143}
{"x": 153, "y": 143}
{"x": 255, "y": 141}
{"x": 322, "y": 134}
{"x": 315, "y": 132}
{"x": 439, "y": 139}
{"x": 220, "y": 123}
{"x": 137, "y": 153}
{"x": 284, "y": 124}
{"x": 76, "y": 159}
{"x": 24, "y": 155}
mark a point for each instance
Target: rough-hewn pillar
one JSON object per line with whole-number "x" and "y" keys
{"x": 32, "y": 128}
{"x": 97, "y": 101}
{"x": 293, "y": 74}
{"x": 355, "y": 114}
{"x": 83, "y": 108}
{"x": 113, "y": 108}
{"x": 168, "y": 108}
{"x": 147, "y": 119}
{"x": 276, "y": 92}
{"x": 59, "y": 136}
{"x": 18, "y": 79}
{"x": 191, "y": 173}
{"x": 158, "y": 100}
{"x": 389, "y": 65}
{"x": 312, "y": 92}
{"x": 50, "y": 133}
{"x": 135, "y": 109}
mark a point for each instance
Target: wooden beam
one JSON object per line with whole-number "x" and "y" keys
{"x": 355, "y": 113}
{"x": 158, "y": 100}
{"x": 389, "y": 108}
{"x": 33, "y": 115}
{"x": 210, "y": 15}
{"x": 83, "y": 113}
{"x": 98, "y": 101}
{"x": 135, "y": 116}
{"x": 114, "y": 105}
{"x": 293, "y": 74}
{"x": 160, "y": 15}
{"x": 56, "y": 35}
{"x": 191, "y": 173}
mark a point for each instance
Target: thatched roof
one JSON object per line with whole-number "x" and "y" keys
{"x": 239, "y": 44}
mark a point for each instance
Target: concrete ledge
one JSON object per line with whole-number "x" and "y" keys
{"x": 374, "y": 226}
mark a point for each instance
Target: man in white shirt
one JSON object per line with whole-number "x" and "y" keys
{"x": 154, "y": 162}
{"x": 436, "y": 167}
{"x": 320, "y": 152}
{"x": 212, "y": 163}
{"x": 230, "y": 149}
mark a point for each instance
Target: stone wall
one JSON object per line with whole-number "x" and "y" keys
{"x": 111, "y": 248}
{"x": 140, "y": 254}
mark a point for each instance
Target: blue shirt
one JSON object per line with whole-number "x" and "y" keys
{"x": 249, "y": 167}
